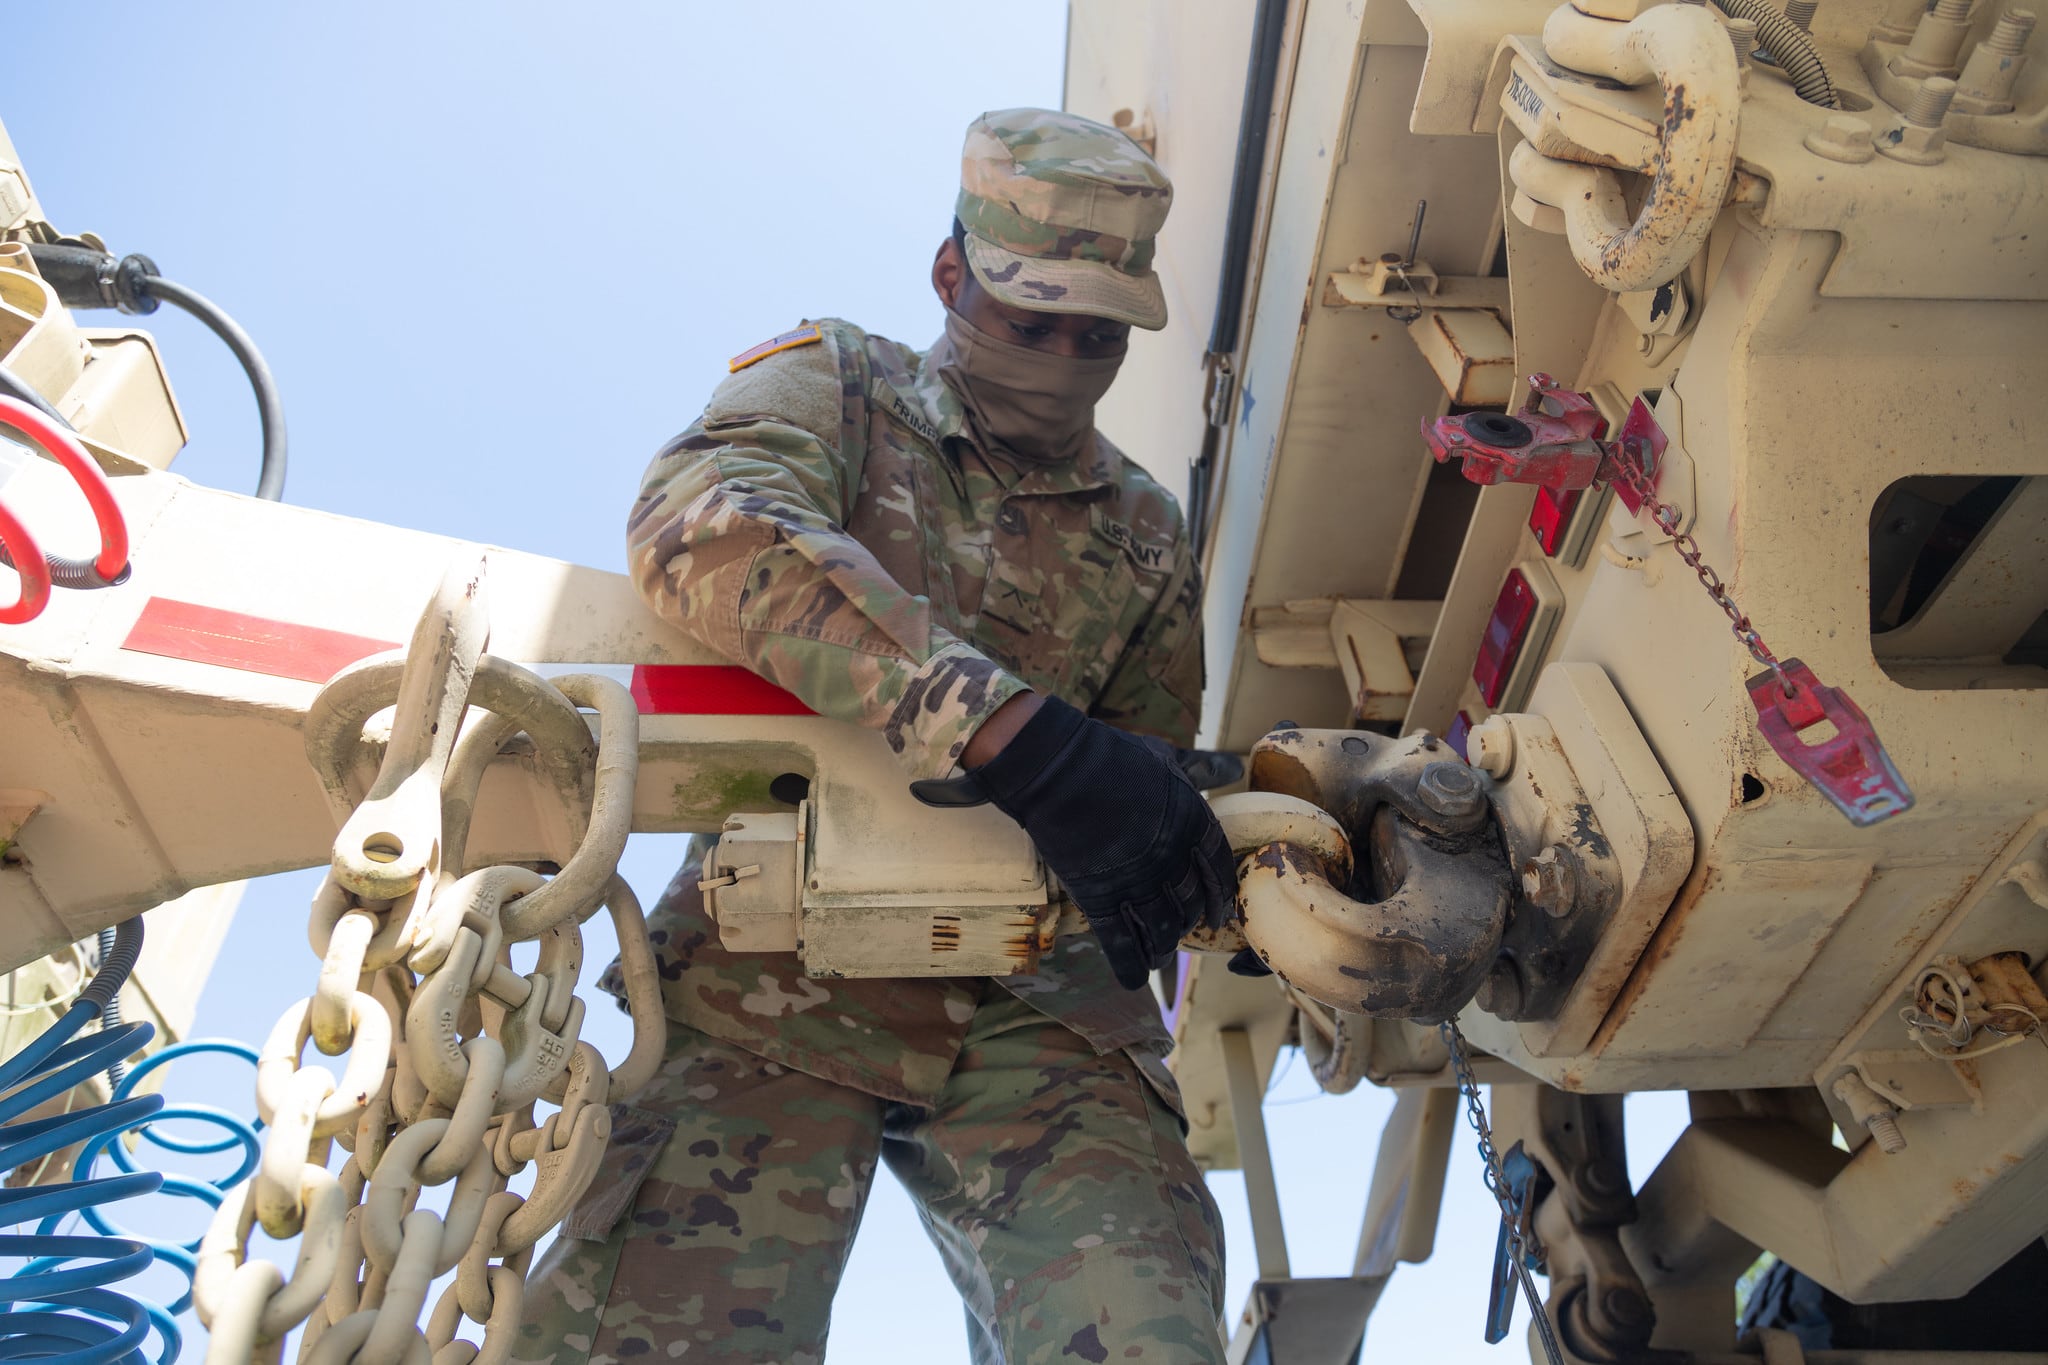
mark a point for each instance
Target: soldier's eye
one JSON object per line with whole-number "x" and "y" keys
{"x": 1026, "y": 331}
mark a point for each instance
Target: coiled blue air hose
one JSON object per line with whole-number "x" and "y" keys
{"x": 57, "y": 1309}
{"x": 210, "y": 1190}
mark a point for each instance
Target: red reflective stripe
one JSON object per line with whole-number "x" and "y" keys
{"x": 285, "y": 649}
{"x": 254, "y": 644}
{"x": 710, "y": 690}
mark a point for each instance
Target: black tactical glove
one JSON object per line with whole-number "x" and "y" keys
{"x": 1209, "y": 768}
{"x": 1119, "y": 824}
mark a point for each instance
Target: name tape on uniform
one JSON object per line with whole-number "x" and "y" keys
{"x": 910, "y": 413}
{"x": 1143, "y": 555}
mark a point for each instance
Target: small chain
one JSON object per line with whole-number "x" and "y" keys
{"x": 1496, "y": 1183}
{"x": 1629, "y": 466}
{"x": 1475, "y": 1111}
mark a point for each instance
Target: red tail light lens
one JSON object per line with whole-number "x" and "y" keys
{"x": 1507, "y": 630}
{"x": 1552, "y": 516}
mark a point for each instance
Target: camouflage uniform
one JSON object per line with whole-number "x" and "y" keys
{"x": 832, "y": 522}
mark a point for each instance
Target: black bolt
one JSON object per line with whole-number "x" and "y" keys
{"x": 1500, "y": 995}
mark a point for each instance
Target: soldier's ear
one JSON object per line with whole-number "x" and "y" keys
{"x": 949, "y": 273}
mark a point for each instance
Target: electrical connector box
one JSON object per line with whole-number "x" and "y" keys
{"x": 751, "y": 881}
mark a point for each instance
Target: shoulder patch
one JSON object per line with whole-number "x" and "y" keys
{"x": 800, "y": 387}
{"x": 903, "y": 408}
{"x": 802, "y": 336}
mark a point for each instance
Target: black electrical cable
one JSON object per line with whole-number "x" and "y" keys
{"x": 88, "y": 278}
{"x": 14, "y": 386}
{"x": 269, "y": 406}
{"x": 1791, "y": 46}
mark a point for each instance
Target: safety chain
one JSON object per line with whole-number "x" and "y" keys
{"x": 1632, "y": 469}
{"x": 1850, "y": 767}
{"x": 449, "y": 1047}
{"x": 1518, "y": 1240}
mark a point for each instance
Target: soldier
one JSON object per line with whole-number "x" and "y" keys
{"x": 941, "y": 547}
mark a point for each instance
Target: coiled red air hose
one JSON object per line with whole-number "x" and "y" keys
{"x": 38, "y": 570}
{"x": 21, "y": 550}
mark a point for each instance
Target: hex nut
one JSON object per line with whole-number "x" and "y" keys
{"x": 1843, "y": 138}
{"x": 1450, "y": 789}
{"x": 1921, "y": 140}
{"x": 1914, "y": 145}
{"x": 1491, "y": 747}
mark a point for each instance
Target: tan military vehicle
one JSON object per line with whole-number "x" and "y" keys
{"x": 1616, "y": 433}
{"x": 1550, "y": 342}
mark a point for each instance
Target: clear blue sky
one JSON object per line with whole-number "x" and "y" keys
{"x": 496, "y": 254}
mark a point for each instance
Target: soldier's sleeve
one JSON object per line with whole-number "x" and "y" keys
{"x": 737, "y": 538}
{"x": 1156, "y": 686}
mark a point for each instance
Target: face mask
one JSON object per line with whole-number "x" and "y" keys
{"x": 1034, "y": 406}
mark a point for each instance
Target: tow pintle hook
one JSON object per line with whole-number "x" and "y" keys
{"x": 1408, "y": 931}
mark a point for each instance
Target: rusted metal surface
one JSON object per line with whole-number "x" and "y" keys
{"x": 1682, "y": 50}
{"x": 1775, "y": 361}
{"x": 1568, "y": 881}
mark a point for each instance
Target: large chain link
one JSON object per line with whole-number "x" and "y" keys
{"x": 1519, "y": 1244}
{"x": 1629, "y": 466}
{"x": 449, "y": 1047}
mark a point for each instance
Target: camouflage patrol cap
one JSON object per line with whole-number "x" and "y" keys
{"x": 1061, "y": 214}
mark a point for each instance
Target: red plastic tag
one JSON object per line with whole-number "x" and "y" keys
{"x": 1851, "y": 767}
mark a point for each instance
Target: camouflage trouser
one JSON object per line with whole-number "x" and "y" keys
{"x": 1054, "y": 1182}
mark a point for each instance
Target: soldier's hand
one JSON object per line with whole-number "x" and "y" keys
{"x": 1122, "y": 827}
